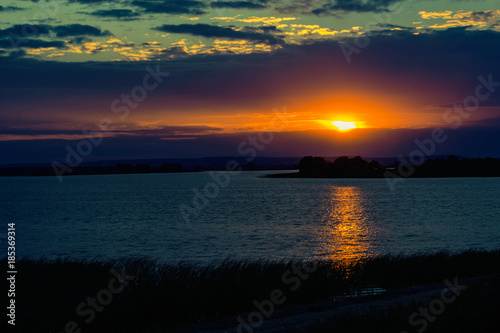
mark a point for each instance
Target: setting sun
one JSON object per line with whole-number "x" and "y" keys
{"x": 344, "y": 125}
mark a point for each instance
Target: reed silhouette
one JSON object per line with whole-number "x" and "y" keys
{"x": 176, "y": 296}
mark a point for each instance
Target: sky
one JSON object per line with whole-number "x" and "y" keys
{"x": 114, "y": 79}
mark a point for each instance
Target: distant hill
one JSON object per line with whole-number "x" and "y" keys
{"x": 164, "y": 165}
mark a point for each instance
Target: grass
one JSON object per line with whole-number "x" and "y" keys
{"x": 475, "y": 310}
{"x": 170, "y": 297}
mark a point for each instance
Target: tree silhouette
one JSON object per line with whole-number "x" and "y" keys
{"x": 250, "y": 166}
{"x": 311, "y": 166}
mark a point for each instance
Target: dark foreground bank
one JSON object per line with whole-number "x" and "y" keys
{"x": 384, "y": 294}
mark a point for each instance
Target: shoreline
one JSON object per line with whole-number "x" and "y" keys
{"x": 211, "y": 297}
{"x": 297, "y": 175}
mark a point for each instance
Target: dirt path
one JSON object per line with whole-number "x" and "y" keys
{"x": 305, "y": 316}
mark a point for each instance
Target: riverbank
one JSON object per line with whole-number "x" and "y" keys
{"x": 138, "y": 295}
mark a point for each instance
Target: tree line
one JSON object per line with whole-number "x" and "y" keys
{"x": 356, "y": 167}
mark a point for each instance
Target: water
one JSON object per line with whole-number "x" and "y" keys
{"x": 111, "y": 216}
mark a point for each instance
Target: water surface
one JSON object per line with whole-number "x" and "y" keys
{"x": 109, "y": 216}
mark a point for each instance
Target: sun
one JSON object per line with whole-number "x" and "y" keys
{"x": 344, "y": 125}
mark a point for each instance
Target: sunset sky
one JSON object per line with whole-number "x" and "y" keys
{"x": 397, "y": 69}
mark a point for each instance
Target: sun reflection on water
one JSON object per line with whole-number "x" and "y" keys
{"x": 346, "y": 231}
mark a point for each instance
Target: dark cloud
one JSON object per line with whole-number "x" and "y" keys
{"x": 161, "y": 132}
{"x": 17, "y": 54}
{"x": 207, "y": 30}
{"x": 18, "y": 33}
{"x": 80, "y": 40}
{"x": 173, "y": 131}
{"x": 171, "y": 52}
{"x": 303, "y": 7}
{"x": 334, "y": 7}
{"x": 359, "y": 6}
{"x": 264, "y": 28}
{"x": 192, "y": 7}
{"x": 30, "y": 43}
{"x": 237, "y": 5}
{"x": 393, "y": 26}
{"x": 119, "y": 43}
{"x": 482, "y": 16}
{"x": 79, "y": 30}
{"x": 121, "y": 14}
{"x": 150, "y": 44}
{"x": 92, "y": 2}
{"x": 5, "y": 130}
{"x": 25, "y": 30}
{"x": 10, "y": 9}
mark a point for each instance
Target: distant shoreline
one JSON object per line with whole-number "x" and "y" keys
{"x": 46, "y": 173}
{"x": 298, "y": 175}
{"x": 309, "y": 167}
